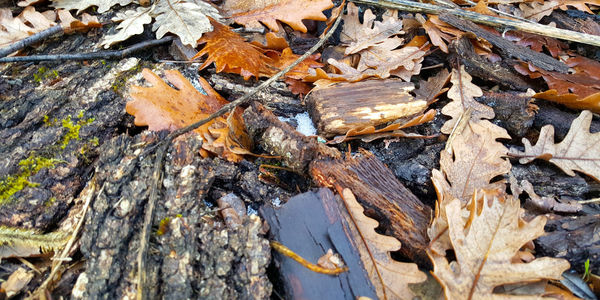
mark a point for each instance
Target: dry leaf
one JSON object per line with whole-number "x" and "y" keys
{"x": 16, "y": 282}
{"x": 578, "y": 151}
{"x": 71, "y": 24}
{"x": 188, "y": 19}
{"x": 370, "y": 33}
{"x": 132, "y": 23}
{"x": 80, "y": 5}
{"x": 392, "y": 277}
{"x": 591, "y": 102}
{"x": 548, "y": 204}
{"x": 484, "y": 244}
{"x": 22, "y": 26}
{"x": 281, "y": 60}
{"x": 434, "y": 86}
{"x": 251, "y": 13}
{"x": 162, "y": 107}
{"x": 476, "y": 157}
{"x": 231, "y": 53}
{"x": 463, "y": 93}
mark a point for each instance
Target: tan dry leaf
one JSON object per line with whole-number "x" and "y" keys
{"x": 186, "y": 19}
{"x": 578, "y": 151}
{"x": 132, "y": 23}
{"x": 25, "y": 24}
{"x": 25, "y": 3}
{"x": 370, "y": 32}
{"x": 476, "y": 157}
{"x": 251, "y": 13}
{"x": 484, "y": 245}
{"x": 392, "y": 277}
{"x": 463, "y": 92}
{"x": 80, "y": 5}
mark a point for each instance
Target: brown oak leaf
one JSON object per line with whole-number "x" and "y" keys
{"x": 485, "y": 236}
{"x": 161, "y": 107}
{"x": 578, "y": 151}
{"x": 390, "y": 277}
{"x": 251, "y": 13}
{"x": 463, "y": 93}
{"x": 231, "y": 53}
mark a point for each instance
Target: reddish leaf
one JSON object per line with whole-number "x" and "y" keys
{"x": 231, "y": 53}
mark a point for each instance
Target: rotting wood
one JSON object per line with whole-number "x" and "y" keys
{"x": 399, "y": 211}
{"x": 481, "y": 67}
{"x": 309, "y": 224}
{"x": 507, "y": 49}
{"x": 545, "y": 30}
{"x": 344, "y": 106}
{"x": 403, "y": 215}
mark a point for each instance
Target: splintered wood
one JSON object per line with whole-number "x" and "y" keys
{"x": 339, "y": 108}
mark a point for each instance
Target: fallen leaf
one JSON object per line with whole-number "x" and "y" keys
{"x": 474, "y": 159}
{"x": 132, "y": 23}
{"x": 591, "y": 102}
{"x": 25, "y": 24}
{"x": 537, "y": 42}
{"x": 370, "y": 33}
{"x": 161, "y": 107}
{"x": 578, "y": 151}
{"x": 548, "y": 204}
{"x": 281, "y": 60}
{"x": 251, "y": 13}
{"x": 484, "y": 245}
{"x": 80, "y": 5}
{"x": 231, "y": 53}
{"x": 434, "y": 86}
{"x": 187, "y": 19}
{"x": 16, "y": 282}
{"x": 463, "y": 93}
{"x": 392, "y": 277}
{"x": 72, "y": 24}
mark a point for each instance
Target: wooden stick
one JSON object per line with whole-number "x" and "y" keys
{"x": 164, "y": 145}
{"x": 16, "y": 46}
{"x": 112, "y": 54}
{"x": 506, "y": 24}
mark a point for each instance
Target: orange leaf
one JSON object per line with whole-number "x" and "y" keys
{"x": 161, "y": 107}
{"x": 287, "y": 57}
{"x": 230, "y": 52}
{"x": 591, "y": 102}
{"x": 251, "y": 13}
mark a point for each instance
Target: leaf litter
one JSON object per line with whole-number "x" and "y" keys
{"x": 475, "y": 217}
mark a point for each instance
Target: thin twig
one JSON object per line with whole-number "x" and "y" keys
{"x": 58, "y": 262}
{"x": 540, "y": 29}
{"x": 111, "y": 54}
{"x": 164, "y": 145}
{"x": 16, "y": 46}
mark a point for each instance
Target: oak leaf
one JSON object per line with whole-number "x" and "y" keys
{"x": 161, "y": 107}
{"x": 370, "y": 33}
{"x": 390, "y": 276}
{"x": 25, "y": 24}
{"x": 463, "y": 93}
{"x": 484, "y": 245}
{"x": 251, "y": 13}
{"x": 80, "y": 5}
{"x": 474, "y": 159}
{"x": 578, "y": 151}
{"x": 132, "y": 23}
{"x": 231, "y": 53}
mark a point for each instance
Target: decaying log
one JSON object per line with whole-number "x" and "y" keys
{"x": 514, "y": 111}
{"x": 344, "y": 106}
{"x": 310, "y": 224}
{"x": 507, "y": 49}
{"x": 481, "y": 67}
{"x": 401, "y": 213}
{"x": 574, "y": 238}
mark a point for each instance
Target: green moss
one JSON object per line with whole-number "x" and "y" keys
{"x": 163, "y": 226}
{"x": 11, "y": 184}
{"x": 44, "y": 73}
{"x": 73, "y": 129}
{"x": 30, "y": 166}
{"x": 50, "y": 201}
{"x": 122, "y": 78}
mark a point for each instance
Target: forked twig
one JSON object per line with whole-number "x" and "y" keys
{"x": 164, "y": 145}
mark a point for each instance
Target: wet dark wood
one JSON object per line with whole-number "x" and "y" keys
{"x": 310, "y": 224}
{"x": 399, "y": 211}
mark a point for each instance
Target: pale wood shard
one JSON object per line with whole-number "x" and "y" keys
{"x": 345, "y": 106}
